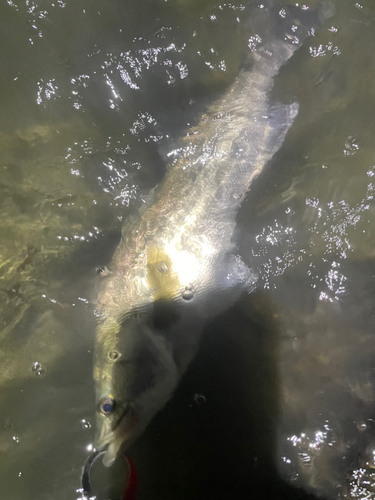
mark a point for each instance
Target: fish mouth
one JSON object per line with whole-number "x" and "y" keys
{"x": 117, "y": 437}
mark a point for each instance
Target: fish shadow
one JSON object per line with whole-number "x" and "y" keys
{"x": 217, "y": 437}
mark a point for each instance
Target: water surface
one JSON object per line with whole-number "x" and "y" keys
{"x": 280, "y": 400}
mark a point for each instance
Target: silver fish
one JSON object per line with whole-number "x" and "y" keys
{"x": 176, "y": 266}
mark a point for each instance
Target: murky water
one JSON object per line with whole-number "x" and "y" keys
{"x": 280, "y": 400}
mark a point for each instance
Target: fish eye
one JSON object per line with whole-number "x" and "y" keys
{"x": 106, "y": 407}
{"x": 113, "y": 355}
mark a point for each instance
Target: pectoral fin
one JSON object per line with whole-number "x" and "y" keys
{"x": 234, "y": 273}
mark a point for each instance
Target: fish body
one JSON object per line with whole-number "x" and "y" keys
{"x": 176, "y": 266}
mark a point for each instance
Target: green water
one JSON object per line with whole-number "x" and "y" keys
{"x": 93, "y": 96}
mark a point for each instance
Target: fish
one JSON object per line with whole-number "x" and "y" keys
{"x": 176, "y": 266}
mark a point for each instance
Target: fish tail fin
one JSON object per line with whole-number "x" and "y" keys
{"x": 285, "y": 31}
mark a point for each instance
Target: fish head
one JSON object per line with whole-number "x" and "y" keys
{"x": 135, "y": 375}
